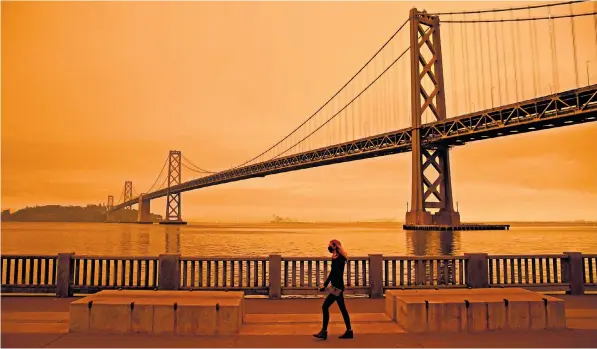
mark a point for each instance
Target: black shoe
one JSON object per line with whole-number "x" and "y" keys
{"x": 347, "y": 335}
{"x": 321, "y": 335}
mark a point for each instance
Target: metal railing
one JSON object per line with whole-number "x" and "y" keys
{"x": 68, "y": 274}
{"x": 305, "y": 275}
{"x": 29, "y": 273}
{"x": 424, "y": 272}
{"x": 90, "y": 274}
{"x": 590, "y": 270}
{"x": 248, "y": 274}
{"x": 538, "y": 271}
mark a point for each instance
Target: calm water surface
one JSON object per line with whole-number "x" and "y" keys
{"x": 288, "y": 239}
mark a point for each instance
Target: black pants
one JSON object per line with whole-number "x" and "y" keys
{"x": 326, "y": 310}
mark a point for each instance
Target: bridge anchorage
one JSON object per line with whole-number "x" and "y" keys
{"x": 432, "y": 203}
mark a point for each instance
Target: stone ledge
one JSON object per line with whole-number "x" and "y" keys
{"x": 474, "y": 310}
{"x": 158, "y": 312}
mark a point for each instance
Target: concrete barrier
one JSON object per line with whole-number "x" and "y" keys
{"x": 474, "y": 310}
{"x": 158, "y": 312}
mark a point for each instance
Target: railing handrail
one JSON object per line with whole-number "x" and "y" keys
{"x": 239, "y": 258}
{"x": 307, "y": 259}
{"x": 424, "y": 258}
{"x": 126, "y": 258}
{"x": 526, "y": 256}
{"x": 16, "y": 256}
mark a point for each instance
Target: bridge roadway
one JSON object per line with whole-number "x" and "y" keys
{"x": 556, "y": 110}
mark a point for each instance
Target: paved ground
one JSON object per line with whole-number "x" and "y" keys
{"x": 43, "y": 322}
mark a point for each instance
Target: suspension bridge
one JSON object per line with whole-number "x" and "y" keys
{"x": 486, "y": 74}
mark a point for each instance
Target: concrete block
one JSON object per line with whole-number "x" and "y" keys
{"x": 79, "y": 317}
{"x": 390, "y": 304}
{"x": 142, "y": 317}
{"x": 196, "y": 319}
{"x": 164, "y": 319}
{"x": 518, "y": 315}
{"x": 537, "y": 315}
{"x": 556, "y": 313}
{"x": 476, "y": 316}
{"x": 446, "y": 317}
{"x": 412, "y": 315}
{"x": 496, "y": 316}
{"x": 109, "y": 317}
{"x": 229, "y": 318}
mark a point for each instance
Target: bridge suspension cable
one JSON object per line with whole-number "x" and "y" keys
{"x": 158, "y": 178}
{"x": 523, "y": 19}
{"x": 514, "y": 61}
{"x": 349, "y": 103}
{"x": 197, "y": 168}
{"x": 120, "y": 198}
{"x": 289, "y": 136}
{"x": 507, "y": 9}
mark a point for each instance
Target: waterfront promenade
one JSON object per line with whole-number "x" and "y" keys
{"x": 42, "y": 321}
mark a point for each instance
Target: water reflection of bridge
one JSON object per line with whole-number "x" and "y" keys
{"x": 435, "y": 243}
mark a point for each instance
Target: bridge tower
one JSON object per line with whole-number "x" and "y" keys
{"x": 110, "y": 204}
{"x": 428, "y": 192}
{"x": 128, "y": 193}
{"x": 109, "y": 207}
{"x": 173, "y": 201}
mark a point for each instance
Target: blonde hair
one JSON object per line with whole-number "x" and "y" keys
{"x": 338, "y": 249}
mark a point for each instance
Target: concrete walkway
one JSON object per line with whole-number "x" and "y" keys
{"x": 43, "y": 322}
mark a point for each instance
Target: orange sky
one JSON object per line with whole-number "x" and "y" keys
{"x": 94, "y": 94}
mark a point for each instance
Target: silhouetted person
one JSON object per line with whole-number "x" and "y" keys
{"x": 335, "y": 291}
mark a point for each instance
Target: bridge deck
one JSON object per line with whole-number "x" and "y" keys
{"x": 557, "y": 110}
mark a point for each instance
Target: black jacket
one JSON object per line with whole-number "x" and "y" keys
{"x": 336, "y": 276}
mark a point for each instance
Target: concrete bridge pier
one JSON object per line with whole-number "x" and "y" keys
{"x": 144, "y": 214}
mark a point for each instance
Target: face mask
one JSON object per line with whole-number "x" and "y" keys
{"x": 330, "y": 249}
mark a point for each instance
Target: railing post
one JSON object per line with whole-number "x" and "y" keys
{"x": 477, "y": 275}
{"x": 420, "y": 272}
{"x": 169, "y": 267}
{"x": 375, "y": 276}
{"x": 275, "y": 276}
{"x": 64, "y": 275}
{"x": 573, "y": 272}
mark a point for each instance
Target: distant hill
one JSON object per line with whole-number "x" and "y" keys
{"x": 278, "y": 219}
{"x": 56, "y": 213}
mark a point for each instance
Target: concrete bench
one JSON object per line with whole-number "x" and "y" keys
{"x": 158, "y": 312}
{"x": 474, "y": 310}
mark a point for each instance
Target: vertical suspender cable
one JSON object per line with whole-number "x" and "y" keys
{"x": 466, "y": 67}
{"x": 554, "y": 57}
{"x": 483, "y": 79}
{"x": 533, "y": 38}
{"x": 506, "y": 84}
{"x": 595, "y": 36}
{"x": 452, "y": 72}
{"x": 574, "y": 47}
{"x": 497, "y": 60}
{"x": 477, "y": 59}
{"x": 514, "y": 56}
{"x": 518, "y": 60}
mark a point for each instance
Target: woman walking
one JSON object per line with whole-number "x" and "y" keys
{"x": 335, "y": 291}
